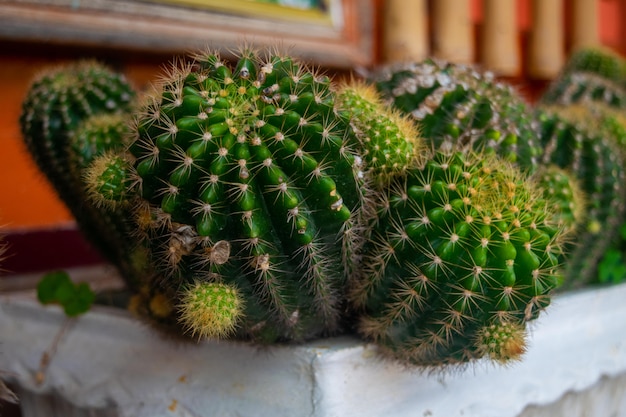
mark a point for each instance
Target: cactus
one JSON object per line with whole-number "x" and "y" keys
{"x": 71, "y": 114}
{"x": 598, "y": 60}
{"x": 461, "y": 251}
{"x": 57, "y": 101}
{"x": 390, "y": 141}
{"x": 563, "y": 192}
{"x": 249, "y": 180}
{"x": 576, "y": 141}
{"x": 584, "y": 88}
{"x": 458, "y": 107}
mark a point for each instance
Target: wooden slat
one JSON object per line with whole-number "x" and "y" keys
{"x": 500, "y": 46}
{"x": 584, "y": 23}
{"x": 453, "y": 35}
{"x": 546, "y": 55}
{"x": 405, "y": 34}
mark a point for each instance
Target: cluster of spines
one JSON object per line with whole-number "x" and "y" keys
{"x": 254, "y": 159}
{"x": 461, "y": 245}
{"x": 458, "y": 107}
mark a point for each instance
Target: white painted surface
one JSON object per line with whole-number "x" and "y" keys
{"x": 575, "y": 366}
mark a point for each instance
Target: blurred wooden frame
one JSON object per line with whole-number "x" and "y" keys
{"x": 340, "y": 36}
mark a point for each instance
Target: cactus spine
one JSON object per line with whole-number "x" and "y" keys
{"x": 249, "y": 179}
{"x": 461, "y": 248}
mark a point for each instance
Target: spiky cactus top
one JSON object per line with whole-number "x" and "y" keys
{"x": 249, "y": 180}
{"x": 390, "y": 141}
{"x": 458, "y": 107}
{"x": 460, "y": 255}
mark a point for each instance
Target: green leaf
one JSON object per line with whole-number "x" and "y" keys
{"x": 56, "y": 287}
{"x": 80, "y": 301}
{"x": 52, "y": 285}
{"x": 612, "y": 268}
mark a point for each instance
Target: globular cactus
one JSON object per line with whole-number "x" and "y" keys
{"x": 461, "y": 256}
{"x": 389, "y": 140}
{"x": 585, "y": 89}
{"x": 58, "y": 100}
{"x": 248, "y": 181}
{"x": 71, "y": 114}
{"x": 459, "y": 108}
{"x": 600, "y": 60}
{"x": 564, "y": 194}
{"x": 574, "y": 140}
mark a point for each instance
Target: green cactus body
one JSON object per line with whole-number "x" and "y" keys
{"x": 58, "y": 100}
{"x": 461, "y": 245}
{"x": 584, "y": 88}
{"x": 390, "y": 140}
{"x": 458, "y": 108}
{"x": 575, "y": 141}
{"x": 71, "y": 114}
{"x": 598, "y": 60}
{"x": 564, "y": 194}
{"x": 250, "y": 179}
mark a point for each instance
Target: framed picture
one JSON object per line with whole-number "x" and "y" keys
{"x": 334, "y": 33}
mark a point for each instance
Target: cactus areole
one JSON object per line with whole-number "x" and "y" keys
{"x": 248, "y": 177}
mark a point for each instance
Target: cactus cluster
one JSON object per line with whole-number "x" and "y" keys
{"x": 427, "y": 208}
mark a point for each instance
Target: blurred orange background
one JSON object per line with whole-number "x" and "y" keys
{"x": 26, "y": 199}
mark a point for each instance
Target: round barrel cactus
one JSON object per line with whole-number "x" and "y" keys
{"x": 58, "y": 100}
{"x": 584, "y": 88}
{"x": 251, "y": 182}
{"x": 71, "y": 114}
{"x": 458, "y": 108}
{"x": 577, "y": 141}
{"x": 564, "y": 194}
{"x": 461, "y": 252}
{"x": 390, "y": 142}
{"x": 599, "y": 60}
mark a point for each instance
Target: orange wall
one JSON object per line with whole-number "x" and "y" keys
{"x": 26, "y": 199}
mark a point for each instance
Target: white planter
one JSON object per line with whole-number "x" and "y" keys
{"x": 108, "y": 365}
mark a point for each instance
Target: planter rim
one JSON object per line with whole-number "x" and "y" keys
{"x": 108, "y": 359}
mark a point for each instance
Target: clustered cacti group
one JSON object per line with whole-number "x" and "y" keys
{"x": 427, "y": 207}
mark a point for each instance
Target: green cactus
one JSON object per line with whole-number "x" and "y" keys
{"x": 457, "y": 107}
{"x": 599, "y": 60}
{"x": 57, "y": 101}
{"x": 249, "y": 179}
{"x": 576, "y": 141}
{"x": 584, "y": 88}
{"x": 71, "y": 114}
{"x": 390, "y": 141}
{"x": 562, "y": 191}
{"x": 461, "y": 248}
